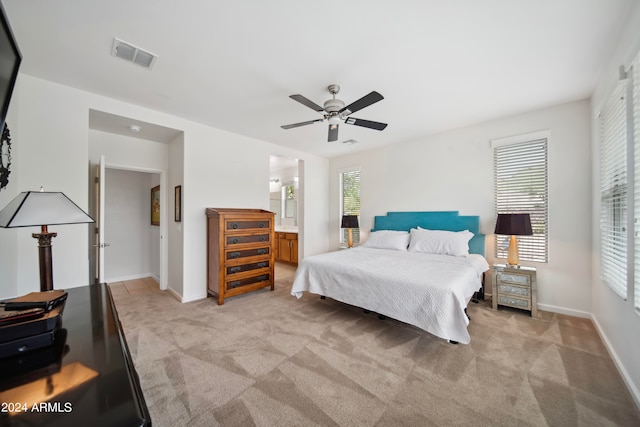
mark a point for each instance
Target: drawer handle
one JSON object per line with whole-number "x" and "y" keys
{"x": 234, "y": 241}
{"x": 234, "y": 284}
{"x": 263, "y": 225}
{"x": 262, "y": 251}
{"x": 234, "y": 255}
{"x": 234, "y": 225}
{"x": 262, "y": 264}
{"x": 263, "y": 278}
{"x": 235, "y": 269}
{"x": 262, "y": 238}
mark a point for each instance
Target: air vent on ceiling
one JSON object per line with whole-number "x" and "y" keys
{"x": 132, "y": 53}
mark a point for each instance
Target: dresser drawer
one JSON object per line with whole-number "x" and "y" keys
{"x": 260, "y": 278}
{"x": 512, "y": 301}
{"x": 517, "y": 291}
{"x": 245, "y": 239}
{"x": 235, "y": 269}
{"x": 231, "y": 224}
{"x": 246, "y": 253}
{"x": 520, "y": 279}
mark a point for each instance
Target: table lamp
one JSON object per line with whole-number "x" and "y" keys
{"x": 350, "y": 222}
{"x": 42, "y": 208}
{"x": 513, "y": 225}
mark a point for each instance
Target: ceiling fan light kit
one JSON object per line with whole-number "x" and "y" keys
{"x": 335, "y": 111}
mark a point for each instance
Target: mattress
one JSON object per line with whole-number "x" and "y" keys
{"x": 425, "y": 290}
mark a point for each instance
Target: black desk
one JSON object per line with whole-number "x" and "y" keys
{"x": 93, "y": 358}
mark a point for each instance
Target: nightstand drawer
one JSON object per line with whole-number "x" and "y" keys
{"x": 518, "y": 291}
{"x": 514, "y": 302}
{"x": 520, "y": 279}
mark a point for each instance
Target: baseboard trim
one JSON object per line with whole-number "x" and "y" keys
{"x": 132, "y": 277}
{"x": 175, "y": 294}
{"x": 635, "y": 393}
{"x": 563, "y": 310}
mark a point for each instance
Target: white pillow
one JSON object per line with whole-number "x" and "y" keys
{"x": 443, "y": 242}
{"x": 388, "y": 239}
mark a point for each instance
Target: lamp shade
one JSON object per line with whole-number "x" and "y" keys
{"x": 35, "y": 208}
{"x": 513, "y": 225}
{"x": 350, "y": 221}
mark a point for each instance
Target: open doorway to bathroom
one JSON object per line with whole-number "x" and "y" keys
{"x": 285, "y": 201}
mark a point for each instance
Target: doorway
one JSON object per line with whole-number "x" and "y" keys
{"x": 135, "y": 146}
{"x": 134, "y": 240}
{"x": 285, "y": 200}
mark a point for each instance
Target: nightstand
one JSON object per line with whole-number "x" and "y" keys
{"x": 514, "y": 287}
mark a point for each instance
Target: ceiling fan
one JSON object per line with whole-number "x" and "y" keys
{"x": 335, "y": 111}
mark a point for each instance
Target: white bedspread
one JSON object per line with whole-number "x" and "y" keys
{"x": 427, "y": 291}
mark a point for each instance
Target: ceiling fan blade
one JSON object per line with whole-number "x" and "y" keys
{"x": 333, "y": 133}
{"x": 365, "y": 123}
{"x": 304, "y": 101}
{"x": 295, "y": 125}
{"x": 365, "y": 101}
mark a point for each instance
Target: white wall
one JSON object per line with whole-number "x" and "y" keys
{"x": 618, "y": 323}
{"x": 133, "y": 249}
{"x": 221, "y": 169}
{"x": 454, "y": 171}
{"x": 176, "y": 237}
{"x": 9, "y": 236}
{"x": 53, "y": 153}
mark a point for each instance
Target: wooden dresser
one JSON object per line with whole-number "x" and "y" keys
{"x": 240, "y": 253}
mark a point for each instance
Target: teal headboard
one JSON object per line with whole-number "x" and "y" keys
{"x": 441, "y": 220}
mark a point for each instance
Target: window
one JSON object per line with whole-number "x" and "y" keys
{"x": 350, "y": 200}
{"x": 635, "y": 81}
{"x": 520, "y": 180}
{"x": 613, "y": 190}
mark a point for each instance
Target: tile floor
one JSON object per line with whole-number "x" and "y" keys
{"x": 134, "y": 287}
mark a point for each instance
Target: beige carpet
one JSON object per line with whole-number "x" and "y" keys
{"x": 268, "y": 359}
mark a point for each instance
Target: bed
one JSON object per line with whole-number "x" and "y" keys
{"x": 420, "y": 286}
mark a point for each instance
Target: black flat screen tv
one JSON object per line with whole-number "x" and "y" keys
{"x": 10, "y": 59}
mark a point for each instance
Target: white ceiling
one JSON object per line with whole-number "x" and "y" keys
{"x": 232, "y": 64}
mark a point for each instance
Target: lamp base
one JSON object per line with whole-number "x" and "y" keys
{"x": 46, "y": 263}
{"x": 349, "y": 238}
{"x": 513, "y": 259}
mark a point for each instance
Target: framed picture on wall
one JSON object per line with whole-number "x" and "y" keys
{"x": 178, "y": 202}
{"x": 155, "y": 205}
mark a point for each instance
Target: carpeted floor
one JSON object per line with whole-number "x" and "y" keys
{"x": 268, "y": 359}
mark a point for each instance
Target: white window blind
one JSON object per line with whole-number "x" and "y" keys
{"x": 635, "y": 81}
{"x": 613, "y": 190}
{"x": 350, "y": 200}
{"x": 521, "y": 187}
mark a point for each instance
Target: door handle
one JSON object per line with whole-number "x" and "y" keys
{"x": 103, "y": 245}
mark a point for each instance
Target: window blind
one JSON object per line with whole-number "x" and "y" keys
{"x": 613, "y": 191}
{"x": 350, "y": 200}
{"x": 521, "y": 186}
{"x": 635, "y": 81}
